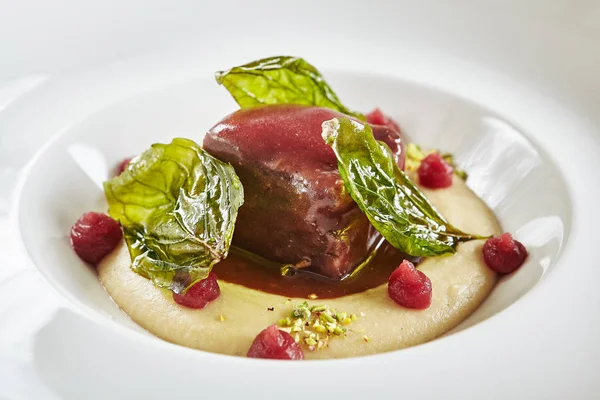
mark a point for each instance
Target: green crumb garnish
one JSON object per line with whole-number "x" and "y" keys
{"x": 302, "y": 310}
{"x": 338, "y": 330}
{"x": 340, "y": 316}
{"x": 314, "y": 325}
{"x": 326, "y": 317}
{"x": 320, "y": 329}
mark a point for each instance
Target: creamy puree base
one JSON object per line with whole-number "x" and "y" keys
{"x": 460, "y": 283}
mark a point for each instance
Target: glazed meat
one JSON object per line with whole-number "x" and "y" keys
{"x": 296, "y": 208}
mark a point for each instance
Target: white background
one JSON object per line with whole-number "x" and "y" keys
{"x": 44, "y": 43}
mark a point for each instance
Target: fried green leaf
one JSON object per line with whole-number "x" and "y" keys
{"x": 177, "y": 205}
{"x": 393, "y": 204}
{"x": 281, "y": 80}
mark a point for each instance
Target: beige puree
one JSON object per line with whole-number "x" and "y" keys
{"x": 460, "y": 283}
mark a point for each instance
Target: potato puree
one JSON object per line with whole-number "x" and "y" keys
{"x": 229, "y": 324}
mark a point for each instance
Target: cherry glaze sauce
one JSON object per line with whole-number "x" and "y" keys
{"x": 268, "y": 278}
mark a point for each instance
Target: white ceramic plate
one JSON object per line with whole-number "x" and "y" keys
{"x": 525, "y": 129}
{"x": 521, "y": 183}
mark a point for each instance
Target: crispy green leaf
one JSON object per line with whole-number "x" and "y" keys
{"x": 177, "y": 205}
{"x": 280, "y": 80}
{"x": 395, "y": 207}
{"x": 415, "y": 154}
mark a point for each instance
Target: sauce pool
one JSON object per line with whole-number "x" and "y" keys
{"x": 267, "y": 277}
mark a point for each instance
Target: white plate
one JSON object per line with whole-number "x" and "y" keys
{"x": 530, "y": 198}
{"x": 106, "y": 114}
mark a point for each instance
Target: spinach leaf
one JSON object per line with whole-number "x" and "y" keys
{"x": 415, "y": 154}
{"x": 395, "y": 207}
{"x": 177, "y": 205}
{"x": 280, "y": 80}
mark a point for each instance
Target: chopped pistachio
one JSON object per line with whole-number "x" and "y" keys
{"x": 326, "y": 318}
{"x": 302, "y": 310}
{"x": 340, "y": 316}
{"x": 315, "y": 325}
{"x": 338, "y": 330}
{"x": 366, "y": 339}
{"x": 330, "y": 326}
{"x": 320, "y": 329}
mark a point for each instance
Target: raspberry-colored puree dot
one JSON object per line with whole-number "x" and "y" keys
{"x": 434, "y": 172}
{"x": 94, "y": 236}
{"x": 409, "y": 287}
{"x": 503, "y": 254}
{"x": 376, "y": 117}
{"x": 275, "y": 344}
{"x": 123, "y": 165}
{"x": 200, "y": 294}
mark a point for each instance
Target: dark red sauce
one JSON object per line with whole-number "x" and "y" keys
{"x": 267, "y": 277}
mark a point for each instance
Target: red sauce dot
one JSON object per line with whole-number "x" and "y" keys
{"x": 275, "y": 344}
{"x": 410, "y": 287}
{"x": 503, "y": 254}
{"x": 434, "y": 172}
{"x": 94, "y": 236}
{"x": 200, "y": 294}
{"x": 123, "y": 165}
{"x": 376, "y": 117}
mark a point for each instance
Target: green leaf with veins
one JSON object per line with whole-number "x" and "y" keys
{"x": 281, "y": 80}
{"x": 177, "y": 205}
{"x": 393, "y": 204}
